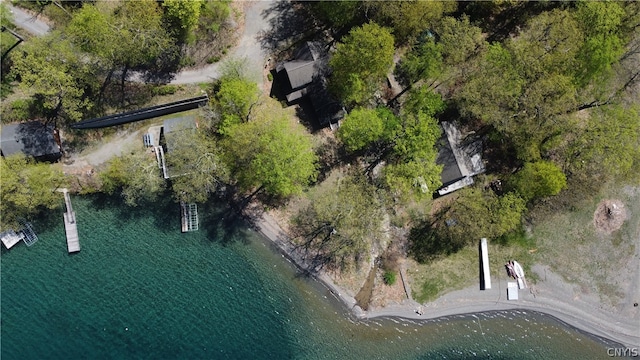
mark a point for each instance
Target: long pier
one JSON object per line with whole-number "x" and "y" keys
{"x": 70, "y": 225}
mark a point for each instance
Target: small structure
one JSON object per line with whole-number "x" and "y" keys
{"x": 189, "y": 217}
{"x": 486, "y": 274}
{"x": 172, "y": 138}
{"x": 512, "y": 290}
{"x": 305, "y": 75}
{"x": 460, "y": 161}
{"x": 33, "y": 139}
{"x": 10, "y": 238}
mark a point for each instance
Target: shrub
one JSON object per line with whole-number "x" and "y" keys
{"x": 389, "y": 277}
{"x": 270, "y": 76}
{"x": 165, "y": 90}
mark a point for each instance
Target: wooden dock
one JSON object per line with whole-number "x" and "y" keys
{"x": 70, "y": 225}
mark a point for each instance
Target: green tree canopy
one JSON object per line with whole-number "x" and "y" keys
{"x": 539, "y": 179}
{"x": 270, "y": 152}
{"x": 135, "y": 176}
{"x": 53, "y": 72}
{"x": 409, "y": 19}
{"x": 474, "y": 214}
{"x": 606, "y": 144}
{"x": 361, "y": 62}
{"x": 341, "y": 222}
{"x": 363, "y": 127}
{"x": 601, "y": 22}
{"x": 235, "y": 98}
{"x": 197, "y": 164}
{"x": 131, "y": 36}
{"x": 28, "y": 188}
{"x": 183, "y": 16}
{"x": 459, "y": 40}
{"x": 424, "y": 61}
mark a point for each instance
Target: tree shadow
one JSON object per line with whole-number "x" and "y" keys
{"x": 224, "y": 224}
{"x": 165, "y": 213}
{"x": 289, "y": 25}
{"x": 427, "y": 243}
{"x": 500, "y": 23}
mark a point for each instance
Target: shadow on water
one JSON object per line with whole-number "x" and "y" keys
{"x": 165, "y": 213}
{"x": 222, "y": 223}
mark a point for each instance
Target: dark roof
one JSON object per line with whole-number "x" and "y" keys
{"x": 31, "y": 138}
{"x": 327, "y": 108}
{"x": 305, "y": 65}
{"x": 450, "y": 169}
{"x": 172, "y": 126}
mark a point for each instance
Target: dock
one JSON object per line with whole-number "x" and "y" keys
{"x": 70, "y": 225}
{"x": 486, "y": 274}
{"x": 189, "y": 217}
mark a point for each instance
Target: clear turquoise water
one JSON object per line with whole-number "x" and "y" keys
{"x": 140, "y": 289}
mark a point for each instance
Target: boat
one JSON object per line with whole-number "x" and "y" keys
{"x": 517, "y": 268}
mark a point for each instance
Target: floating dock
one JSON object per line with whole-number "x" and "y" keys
{"x": 70, "y": 225}
{"x": 189, "y": 217}
{"x": 10, "y": 238}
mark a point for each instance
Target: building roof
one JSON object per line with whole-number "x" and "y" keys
{"x": 30, "y": 138}
{"x": 171, "y": 127}
{"x": 450, "y": 170}
{"x": 304, "y": 67}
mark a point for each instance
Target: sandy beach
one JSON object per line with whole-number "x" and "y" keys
{"x": 551, "y": 295}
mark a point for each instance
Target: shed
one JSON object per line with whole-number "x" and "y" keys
{"x": 32, "y": 138}
{"x": 512, "y": 290}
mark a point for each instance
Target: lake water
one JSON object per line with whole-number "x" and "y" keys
{"x": 140, "y": 289}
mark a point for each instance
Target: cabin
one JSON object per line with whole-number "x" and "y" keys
{"x": 460, "y": 159}
{"x": 304, "y": 77}
{"x": 33, "y": 139}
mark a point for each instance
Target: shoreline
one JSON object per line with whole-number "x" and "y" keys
{"x": 547, "y": 297}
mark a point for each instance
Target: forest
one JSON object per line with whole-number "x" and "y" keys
{"x": 551, "y": 90}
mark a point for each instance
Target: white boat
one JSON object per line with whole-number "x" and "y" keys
{"x": 517, "y": 268}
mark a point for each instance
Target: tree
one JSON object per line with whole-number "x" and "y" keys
{"x": 363, "y": 127}
{"x": 605, "y": 145}
{"x": 411, "y": 168}
{"x": 28, "y": 188}
{"x": 538, "y": 180}
{"x": 424, "y": 61}
{"x": 183, "y": 15}
{"x": 341, "y": 222}
{"x": 234, "y": 100}
{"x": 198, "y": 165}
{"x": 601, "y": 22}
{"x": 53, "y": 72}
{"x": 474, "y": 214}
{"x": 459, "y": 40}
{"x": 130, "y": 37}
{"x": 270, "y": 152}
{"x": 135, "y": 176}
{"x": 361, "y": 62}
{"x": 409, "y": 19}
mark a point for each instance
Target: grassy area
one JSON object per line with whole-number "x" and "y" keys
{"x": 431, "y": 280}
{"x": 570, "y": 244}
